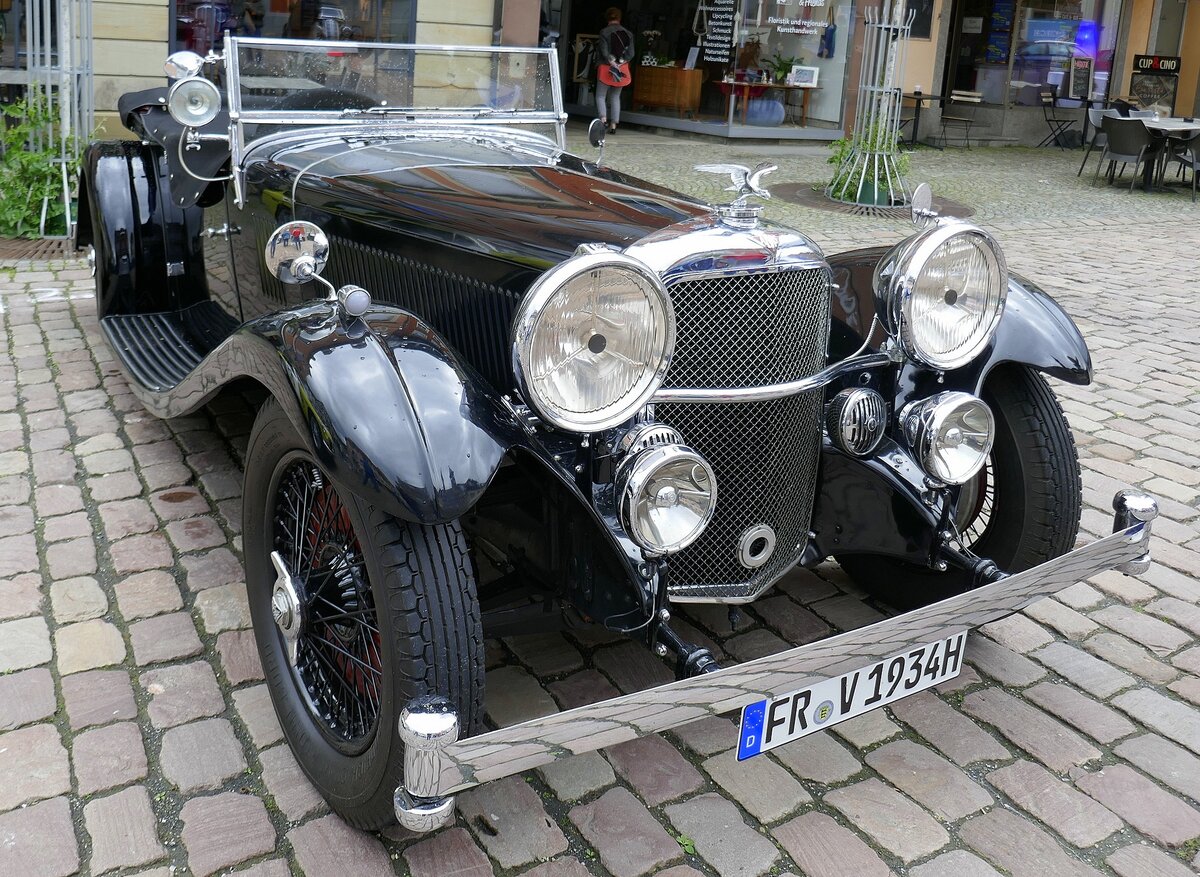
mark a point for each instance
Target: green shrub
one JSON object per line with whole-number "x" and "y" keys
{"x": 30, "y": 173}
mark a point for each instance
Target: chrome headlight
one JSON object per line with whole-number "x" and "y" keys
{"x": 592, "y": 341}
{"x": 193, "y": 102}
{"x": 667, "y": 495}
{"x": 951, "y": 434}
{"x": 941, "y": 293}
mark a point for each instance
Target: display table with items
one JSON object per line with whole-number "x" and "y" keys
{"x": 672, "y": 88}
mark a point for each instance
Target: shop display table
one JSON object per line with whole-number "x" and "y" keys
{"x": 746, "y": 90}
{"x": 672, "y": 88}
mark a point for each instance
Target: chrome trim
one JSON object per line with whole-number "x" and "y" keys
{"x": 532, "y": 306}
{"x": 708, "y": 247}
{"x": 856, "y": 420}
{"x": 899, "y": 270}
{"x": 178, "y": 88}
{"x": 1133, "y": 507}
{"x": 647, "y": 435}
{"x": 777, "y": 391}
{"x": 428, "y": 725}
{"x": 751, "y": 560}
{"x": 631, "y": 480}
{"x": 286, "y": 609}
{"x": 522, "y": 747}
{"x": 921, "y": 421}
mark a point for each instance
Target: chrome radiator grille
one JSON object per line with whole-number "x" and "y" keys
{"x": 741, "y": 331}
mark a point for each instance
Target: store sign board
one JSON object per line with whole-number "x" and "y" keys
{"x": 1161, "y": 64}
{"x": 719, "y": 30}
{"x": 1081, "y": 78}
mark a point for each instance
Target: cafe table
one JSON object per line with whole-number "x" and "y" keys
{"x": 742, "y": 91}
{"x": 1162, "y": 129}
{"x": 919, "y": 98}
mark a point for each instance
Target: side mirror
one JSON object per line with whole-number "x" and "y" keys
{"x": 596, "y": 132}
{"x": 296, "y": 252}
{"x": 923, "y": 214}
{"x": 182, "y": 65}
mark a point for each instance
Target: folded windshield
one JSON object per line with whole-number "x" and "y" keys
{"x": 308, "y": 82}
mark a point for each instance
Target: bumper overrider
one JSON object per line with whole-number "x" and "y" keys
{"x": 437, "y": 764}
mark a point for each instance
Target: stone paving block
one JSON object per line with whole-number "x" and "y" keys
{"x": 1142, "y": 804}
{"x": 324, "y": 846}
{"x": 1071, "y": 624}
{"x": 202, "y": 755}
{"x": 20, "y": 596}
{"x": 195, "y": 534}
{"x": 721, "y": 837}
{"x": 1075, "y": 816}
{"x": 930, "y": 779}
{"x": 239, "y": 656}
{"x": 760, "y": 785}
{"x": 88, "y": 645}
{"x": 179, "y": 503}
{"x": 1187, "y": 687}
{"x": 574, "y": 868}
{"x": 15, "y": 520}
{"x": 63, "y": 527}
{"x": 212, "y": 569}
{"x": 1080, "y": 596}
{"x": 1093, "y": 718}
{"x": 39, "y": 840}
{"x": 1160, "y": 637}
{"x": 122, "y": 827}
{"x": 33, "y": 765}
{"x": 1188, "y": 660}
{"x": 867, "y": 730}
{"x": 220, "y": 831}
{"x": 1170, "y": 718}
{"x": 655, "y": 769}
{"x": 507, "y": 817}
{"x": 223, "y": 608}
{"x": 1018, "y": 633}
{"x": 1002, "y": 664}
{"x": 629, "y": 841}
{"x": 1017, "y": 845}
{"x": 578, "y": 776}
{"x": 891, "y": 819}
{"x": 794, "y": 623}
{"x": 256, "y": 710}
{"x": 823, "y": 848}
{"x": 294, "y": 795}
{"x": 755, "y": 644}
{"x": 108, "y": 757}
{"x": 1176, "y": 584}
{"x": 181, "y": 693}
{"x": 164, "y": 638}
{"x": 76, "y": 557}
{"x": 122, "y": 485}
{"x": 1143, "y": 861}
{"x": 707, "y": 736}
{"x": 147, "y": 593}
{"x": 127, "y": 517}
{"x": 952, "y": 733}
{"x": 448, "y": 852}
{"x": 1046, "y": 739}
{"x": 514, "y": 696}
{"x": 18, "y": 554}
{"x": 97, "y": 697}
{"x": 632, "y": 666}
{"x": 1092, "y": 675}
{"x": 140, "y": 553}
{"x": 1120, "y": 652}
{"x": 77, "y": 599}
{"x": 846, "y": 612}
{"x": 956, "y": 863}
{"x": 58, "y": 499}
{"x": 546, "y": 654}
{"x": 26, "y": 697}
{"x": 820, "y": 758}
{"x": 1186, "y": 615}
{"x": 267, "y": 868}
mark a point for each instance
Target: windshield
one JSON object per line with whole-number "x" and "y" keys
{"x": 288, "y": 82}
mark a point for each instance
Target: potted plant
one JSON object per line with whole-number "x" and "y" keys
{"x": 780, "y": 66}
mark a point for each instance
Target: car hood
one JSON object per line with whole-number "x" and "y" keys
{"x": 521, "y": 200}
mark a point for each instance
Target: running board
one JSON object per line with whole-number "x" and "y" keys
{"x": 152, "y": 347}
{"x": 437, "y": 764}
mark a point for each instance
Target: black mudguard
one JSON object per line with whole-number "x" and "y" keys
{"x": 128, "y": 216}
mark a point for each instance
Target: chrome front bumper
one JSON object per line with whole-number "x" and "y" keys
{"x": 437, "y": 764}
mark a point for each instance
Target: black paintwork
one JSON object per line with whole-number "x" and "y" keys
{"x": 405, "y": 408}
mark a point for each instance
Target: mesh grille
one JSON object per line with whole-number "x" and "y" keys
{"x": 749, "y": 330}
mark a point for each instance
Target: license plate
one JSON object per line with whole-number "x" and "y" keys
{"x": 775, "y": 721}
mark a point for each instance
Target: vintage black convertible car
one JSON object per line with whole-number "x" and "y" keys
{"x": 509, "y": 389}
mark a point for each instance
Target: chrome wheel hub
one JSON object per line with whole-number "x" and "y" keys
{"x": 285, "y": 607}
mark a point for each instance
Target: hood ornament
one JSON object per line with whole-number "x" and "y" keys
{"x": 746, "y": 182}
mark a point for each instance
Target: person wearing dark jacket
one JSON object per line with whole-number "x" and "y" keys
{"x": 616, "y": 48}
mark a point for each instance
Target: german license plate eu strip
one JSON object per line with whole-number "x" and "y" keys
{"x": 778, "y": 720}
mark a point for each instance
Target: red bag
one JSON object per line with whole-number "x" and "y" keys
{"x": 606, "y": 74}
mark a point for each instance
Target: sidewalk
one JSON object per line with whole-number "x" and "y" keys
{"x": 136, "y": 733}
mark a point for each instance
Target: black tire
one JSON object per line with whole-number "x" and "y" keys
{"x": 420, "y": 592}
{"x": 1028, "y": 497}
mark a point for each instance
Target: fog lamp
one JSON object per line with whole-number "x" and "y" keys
{"x": 951, "y": 434}
{"x": 194, "y": 102}
{"x": 667, "y": 495}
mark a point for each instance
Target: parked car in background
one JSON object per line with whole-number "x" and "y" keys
{"x": 508, "y": 389}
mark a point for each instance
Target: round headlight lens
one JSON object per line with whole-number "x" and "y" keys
{"x": 951, "y": 434}
{"x": 667, "y": 496}
{"x": 592, "y": 341}
{"x": 949, "y": 286}
{"x": 194, "y": 102}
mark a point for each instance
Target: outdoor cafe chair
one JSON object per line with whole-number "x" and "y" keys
{"x": 1058, "y": 125}
{"x": 1127, "y": 140}
{"x": 1099, "y": 138}
{"x": 1186, "y": 153}
{"x": 960, "y": 113}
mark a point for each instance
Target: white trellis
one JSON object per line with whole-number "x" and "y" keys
{"x": 58, "y": 46}
{"x": 869, "y": 173}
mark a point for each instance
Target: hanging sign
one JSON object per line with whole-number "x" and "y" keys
{"x": 1160, "y": 64}
{"x": 1081, "y": 78}
{"x": 972, "y": 24}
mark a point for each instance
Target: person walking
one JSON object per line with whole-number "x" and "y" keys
{"x": 616, "y": 51}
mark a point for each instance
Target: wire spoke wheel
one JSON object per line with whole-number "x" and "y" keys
{"x": 339, "y": 663}
{"x": 976, "y": 505}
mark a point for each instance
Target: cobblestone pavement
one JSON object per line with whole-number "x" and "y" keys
{"x": 136, "y": 732}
